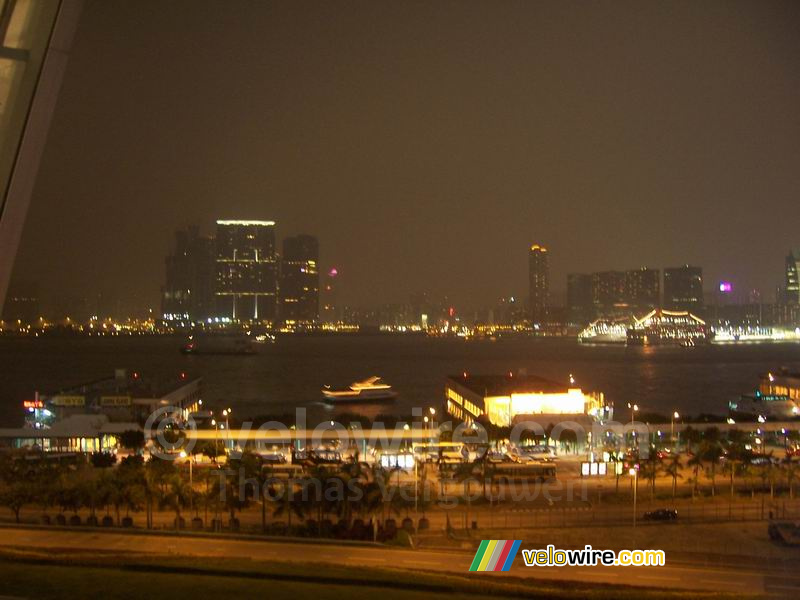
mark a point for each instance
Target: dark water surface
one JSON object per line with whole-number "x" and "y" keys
{"x": 291, "y": 372}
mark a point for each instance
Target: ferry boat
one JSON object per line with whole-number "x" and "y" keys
{"x": 219, "y": 343}
{"x": 369, "y": 390}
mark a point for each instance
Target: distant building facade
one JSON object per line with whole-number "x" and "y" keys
{"x": 299, "y": 289}
{"x": 683, "y": 288}
{"x": 22, "y": 302}
{"x": 611, "y": 294}
{"x": 793, "y": 277}
{"x": 538, "y": 282}
{"x": 188, "y": 292}
{"x": 246, "y": 270}
{"x": 330, "y": 311}
{"x": 580, "y": 303}
{"x": 643, "y": 288}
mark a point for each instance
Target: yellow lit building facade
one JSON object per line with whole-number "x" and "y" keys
{"x": 505, "y": 399}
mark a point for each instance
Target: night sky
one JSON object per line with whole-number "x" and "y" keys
{"x": 425, "y": 144}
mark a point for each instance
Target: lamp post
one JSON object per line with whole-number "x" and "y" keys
{"x": 635, "y": 474}
{"x": 216, "y": 433}
{"x": 675, "y": 415}
{"x": 634, "y": 408}
{"x": 226, "y": 413}
{"x": 191, "y": 480}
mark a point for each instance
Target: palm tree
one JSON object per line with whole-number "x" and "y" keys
{"x": 650, "y": 468}
{"x": 790, "y": 465}
{"x": 176, "y": 496}
{"x": 695, "y": 462}
{"x": 286, "y": 502}
{"x": 710, "y": 453}
{"x": 673, "y": 469}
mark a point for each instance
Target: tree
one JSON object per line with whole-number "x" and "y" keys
{"x": 16, "y": 484}
{"x": 132, "y": 439}
{"x": 790, "y": 465}
{"x": 15, "y": 495}
{"x": 176, "y": 495}
{"x": 710, "y": 453}
{"x": 695, "y": 462}
{"x": 650, "y": 469}
{"x": 673, "y": 469}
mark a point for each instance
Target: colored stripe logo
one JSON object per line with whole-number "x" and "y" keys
{"x": 495, "y": 555}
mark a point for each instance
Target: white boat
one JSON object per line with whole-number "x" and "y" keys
{"x": 369, "y": 390}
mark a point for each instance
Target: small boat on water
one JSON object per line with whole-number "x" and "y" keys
{"x": 372, "y": 389}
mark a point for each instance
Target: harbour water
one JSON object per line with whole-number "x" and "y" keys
{"x": 291, "y": 372}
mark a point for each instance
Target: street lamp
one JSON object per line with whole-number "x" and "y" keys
{"x": 216, "y": 433}
{"x": 675, "y": 415}
{"x": 635, "y": 474}
{"x": 634, "y": 408}
{"x": 226, "y": 413}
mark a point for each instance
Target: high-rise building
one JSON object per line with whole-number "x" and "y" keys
{"x": 793, "y": 277}
{"x": 299, "y": 293}
{"x": 580, "y": 304}
{"x": 330, "y": 311}
{"x": 247, "y": 270}
{"x": 608, "y": 292}
{"x": 538, "y": 281}
{"x": 188, "y": 292}
{"x": 643, "y": 288}
{"x": 683, "y": 288}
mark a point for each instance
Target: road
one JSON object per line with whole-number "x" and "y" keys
{"x": 677, "y": 576}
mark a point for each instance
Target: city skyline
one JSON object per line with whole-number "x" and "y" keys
{"x": 535, "y": 139}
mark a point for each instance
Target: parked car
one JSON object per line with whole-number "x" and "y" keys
{"x": 661, "y": 514}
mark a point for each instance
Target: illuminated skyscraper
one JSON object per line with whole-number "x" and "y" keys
{"x": 608, "y": 292}
{"x": 329, "y": 297}
{"x": 247, "y": 270}
{"x": 793, "y": 277}
{"x": 683, "y": 288}
{"x": 643, "y": 288}
{"x": 299, "y": 294}
{"x": 538, "y": 281}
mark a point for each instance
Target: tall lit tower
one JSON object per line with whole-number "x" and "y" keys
{"x": 299, "y": 295}
{"x": 539, "y": 282}
{"x": 329, "y": 297}
{"x": 247, "y": 270}
{"x": 793, "y": 277}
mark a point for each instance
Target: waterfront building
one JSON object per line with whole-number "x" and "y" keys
{"x": 508, "y": 399}
{"x": 793, "y": 277}
{"x": 188, "y": 292}
{"x": 299, "y": 289}
{"x": 683, "y": 288}
{"x": 90, "y": 417}
{"x": 246, "y": 270}
{"x": 538, "y": 282}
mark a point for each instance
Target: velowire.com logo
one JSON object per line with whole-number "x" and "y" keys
{"x": 495, "y": 555}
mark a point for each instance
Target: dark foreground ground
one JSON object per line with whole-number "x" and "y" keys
{"x": 67, "y": 573}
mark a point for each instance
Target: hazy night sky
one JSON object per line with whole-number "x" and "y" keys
{"x": 425, "y": 144}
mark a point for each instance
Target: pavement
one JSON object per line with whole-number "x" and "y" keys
{"x": 734, "y": 578}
